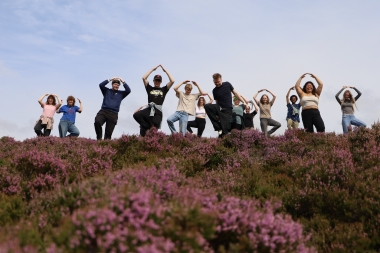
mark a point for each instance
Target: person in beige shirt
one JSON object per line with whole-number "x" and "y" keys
{"x": 265, "y": 106}
{"x": 186, "y": 106}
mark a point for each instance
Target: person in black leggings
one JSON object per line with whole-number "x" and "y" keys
{"x": 309, "y": 94}
{"x": 200, "y": 116}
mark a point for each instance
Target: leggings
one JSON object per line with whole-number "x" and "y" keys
{"x": 199, "y": 123}
{"x": 310, "y": 118}
{"x": 265, "y": 122}
{"x": 39, "y": 127}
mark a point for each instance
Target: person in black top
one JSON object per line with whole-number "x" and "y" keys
{"x": 110, "y": 108}
{"x": 152, "y": 115}
{"x": 220, "y": 113}
{"x": 248, "y": 115}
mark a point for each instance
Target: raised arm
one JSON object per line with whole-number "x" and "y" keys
{"x": 145, "y": 77}
{"x": 179, "y": 85}
{"x": 256, "y": 108}
{"x": 41, "y": 98}
{"x": 199, "y": 88}
{"x": 320, "y": 84}
{"x": 126, "y": 90}
{"x": 287, "y": 95}
{"x": 337, "y": 95}
{"x": 59, "y": 101}
{"x": 273, "y": 95}
{"x": 103, "y": 84}
{"x": 139, "y": 108}
{"x": 245, "y": 99}
{"x": 80, "y": 106}
{"x": 240, "y": 98}
{"x": 211, "y": 99}
{"x": 255, "y": 96}
{"x": 298, "y": 86}
{"x": 359, "y": 93}
{"x": 171, "y": 79}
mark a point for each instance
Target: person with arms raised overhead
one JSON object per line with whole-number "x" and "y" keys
{"x": 200, "y": 116}
{"x": 110, "y": 107}
{"x": 265, "y": 107}
{"x": 186, "y": 106}
{"x": 347, "y": 105}
{"x": 293, "y": 116}
{"x": 248, "y": 115}
{"x": 309, "y": 96}
{"x": 46, "y": 121}
{"x": 67, "y": 122}
{"x": 220, "y": 113}
{"x": 152, "y": 115}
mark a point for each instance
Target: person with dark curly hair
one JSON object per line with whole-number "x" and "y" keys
{"x": 309, "y": 95}
{"x": 293, "y": 116}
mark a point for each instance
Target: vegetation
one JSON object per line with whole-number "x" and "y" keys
{"x": 298, "y": 192}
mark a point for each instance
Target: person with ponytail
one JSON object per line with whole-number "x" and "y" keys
{"x": 347, "y": 105}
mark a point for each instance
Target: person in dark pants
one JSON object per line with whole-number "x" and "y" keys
{"x": 152, "y": 115}
{"x": 220, "y": 113}
{"x": 309, "y": 101}
{"x": 248, "y": 115}
{"x": 110, "y": 108}
{"x": 200, "y": 116}
{"x": 46, "y": 120}
{"x": 265, "y": 106}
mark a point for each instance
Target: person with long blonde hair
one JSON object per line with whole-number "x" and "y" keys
{"x": 347, "y": 105}
{"x": 265, "y": 106}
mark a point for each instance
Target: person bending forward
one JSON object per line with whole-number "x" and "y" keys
{"x": 220, "y": 113}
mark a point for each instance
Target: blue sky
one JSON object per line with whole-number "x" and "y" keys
{"x": 69, "y": 47}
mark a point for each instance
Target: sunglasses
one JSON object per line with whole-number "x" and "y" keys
{"x": 157, "y": 80}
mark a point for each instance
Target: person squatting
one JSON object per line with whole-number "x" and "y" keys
{"x": 227, "y": 109}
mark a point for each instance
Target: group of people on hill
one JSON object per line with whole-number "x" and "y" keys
{"x": 230, "y": 111}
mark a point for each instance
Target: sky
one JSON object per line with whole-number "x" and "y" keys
{"x": 69, "y": 47}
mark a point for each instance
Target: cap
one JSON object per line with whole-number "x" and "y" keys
{"x": 157, "y": 77}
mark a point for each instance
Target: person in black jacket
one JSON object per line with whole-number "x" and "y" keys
{"x": 110, "y": 108}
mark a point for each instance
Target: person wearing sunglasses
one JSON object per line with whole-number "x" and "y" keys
{"x": 152, "y": 115}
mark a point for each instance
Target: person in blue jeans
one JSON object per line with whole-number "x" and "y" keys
{"x": 67, "y": 122}
{"x": 347, "y": 105}
{"x": 186, "y": 106}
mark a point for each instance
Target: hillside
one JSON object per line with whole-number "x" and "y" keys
{"x": 298, "y": 192}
